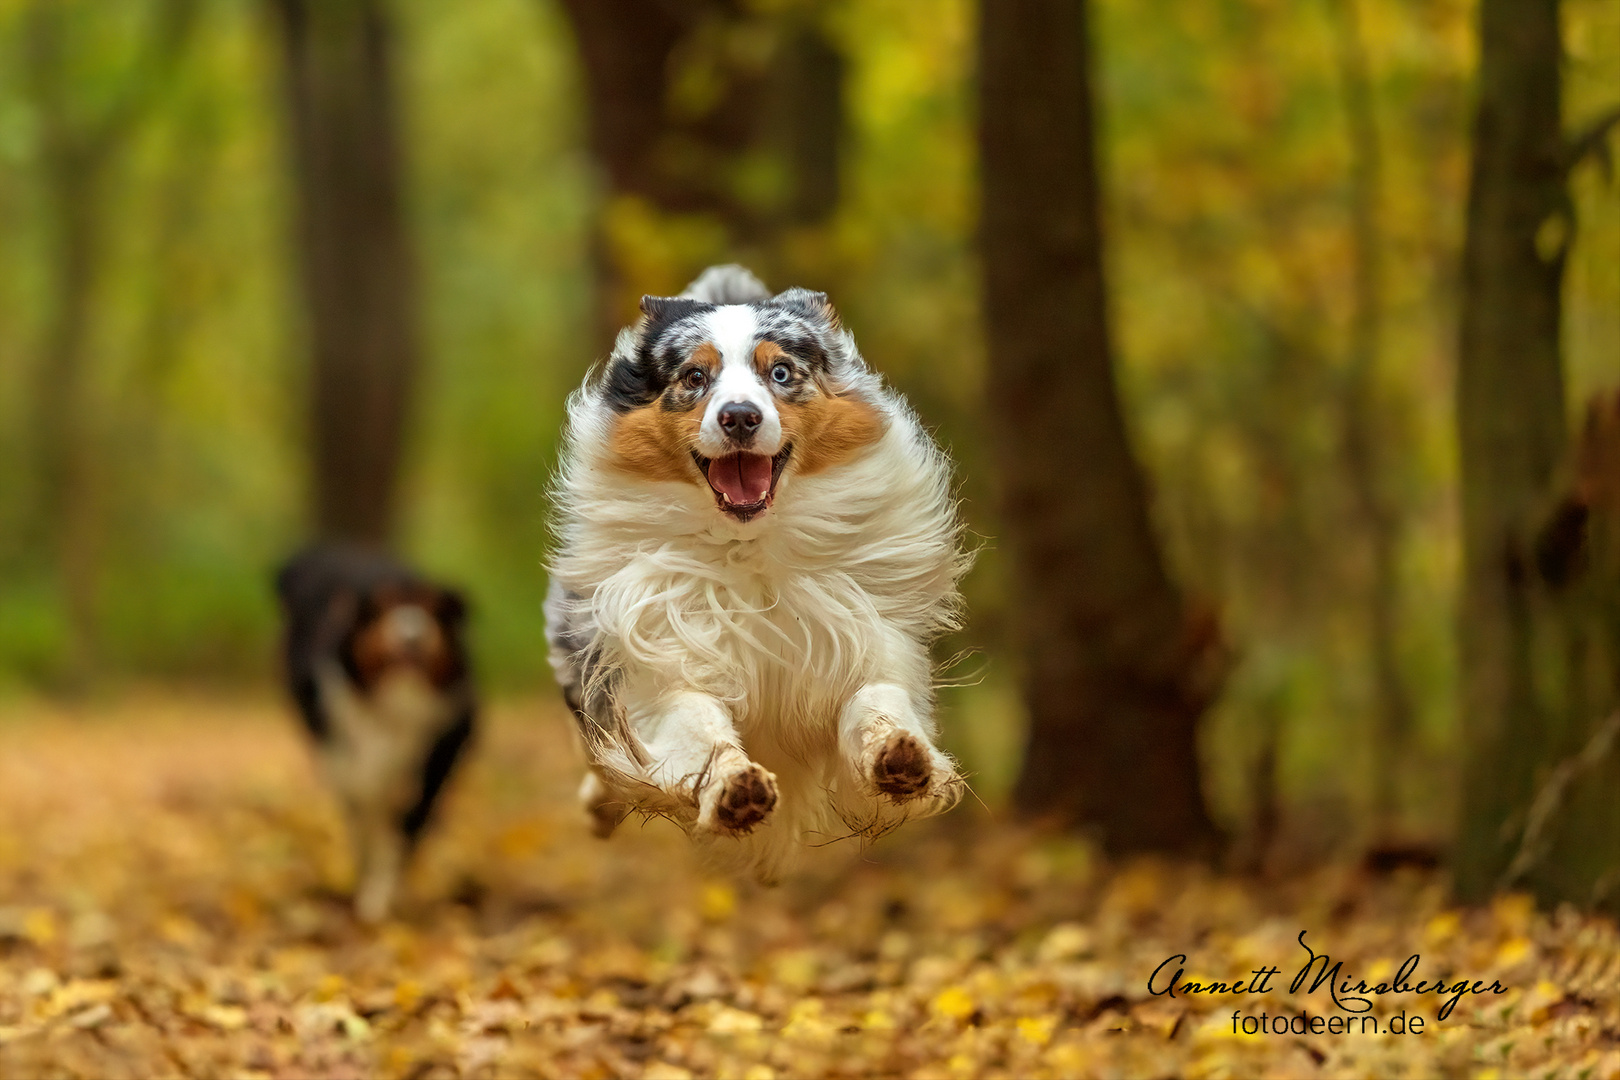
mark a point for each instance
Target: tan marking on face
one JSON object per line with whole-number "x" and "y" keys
{"x": 827, "y": 431}
{"x": 403, "y": 632}
{"x": 766, "y": 354}
{"x": 656, "y": 444}
{"x": 707, "y": 355}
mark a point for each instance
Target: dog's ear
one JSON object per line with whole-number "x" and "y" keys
{"x": 372, "y": 602}
{"x": 287, "y": 582}
{"x": 812, "y": 305}
{"x": 451, "y": 608}
{"x": 338, "y": 618}
{"x": 661, "y": 310}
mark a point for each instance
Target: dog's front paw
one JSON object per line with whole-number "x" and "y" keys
{"x": 734, "y": 805}
{"x": 903, "y": 768}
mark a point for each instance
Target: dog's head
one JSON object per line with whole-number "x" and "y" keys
{"x": 354, "y": 605}
{"x": 400, "y": 625}
{"x": 733, "y": 396}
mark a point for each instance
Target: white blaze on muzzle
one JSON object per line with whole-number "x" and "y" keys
{"x": 409, "y": 627}
{"x": 732, "y": 329}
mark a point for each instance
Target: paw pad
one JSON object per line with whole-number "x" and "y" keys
{"x": 745, "y": 800}
{"x": 902, "y": 769}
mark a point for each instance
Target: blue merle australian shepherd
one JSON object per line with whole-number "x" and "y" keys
{"x": 757, "y": 543}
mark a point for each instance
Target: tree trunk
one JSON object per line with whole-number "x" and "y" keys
{"x": 775, "y": 112}
{"x": 1366, "y": 440}
{"x": 1567, "y": 841}
{"x": 1511, "y": 432}
{"x": 78, "y": 152}
{"x": 65, "y": 433}
{"x": 1115, "y": 673}
{"x": 357, "y": 268}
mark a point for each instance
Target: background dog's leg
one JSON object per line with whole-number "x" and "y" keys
{"x": 380, "y": 872}
{"x": 379, "y": 849}
{"x": 887, "y": 742}
{"x": 695, "y": 752}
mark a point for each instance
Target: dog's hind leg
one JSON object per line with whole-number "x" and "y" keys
{"x": 887, "y": 743}
{"x": 695, "y": 756}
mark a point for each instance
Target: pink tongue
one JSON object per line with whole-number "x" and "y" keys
{"x": 743, "y": 478}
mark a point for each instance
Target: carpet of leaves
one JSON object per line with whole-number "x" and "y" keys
{"x": 171, "y": 904}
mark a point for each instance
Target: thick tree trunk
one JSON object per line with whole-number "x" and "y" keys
{"x": 1511, "y": 430}
{"x": 1567, "y": 843}
{"x": 357, "y": 268}
{"x": 1115, "y": 674}
{"x": 628, "y": 48}
{"x": 772, "y": 111}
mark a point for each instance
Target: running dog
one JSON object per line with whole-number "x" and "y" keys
{"x": 757, "y": 544}
{"x": 377, "y": 666}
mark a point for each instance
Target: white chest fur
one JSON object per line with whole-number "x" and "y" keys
{"x": 378, "y": 742}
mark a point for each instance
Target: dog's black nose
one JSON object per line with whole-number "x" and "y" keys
{"x": 739, "y": 419}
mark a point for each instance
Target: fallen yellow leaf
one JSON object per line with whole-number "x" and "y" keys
{"x": 954, "y": 1003}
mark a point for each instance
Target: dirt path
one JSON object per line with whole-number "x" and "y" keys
{"x": 170, "y": 904}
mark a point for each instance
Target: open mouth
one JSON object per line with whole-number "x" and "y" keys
{"x": 743, "y": 484}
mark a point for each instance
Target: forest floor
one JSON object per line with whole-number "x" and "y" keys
{"x": 171, "y": 904}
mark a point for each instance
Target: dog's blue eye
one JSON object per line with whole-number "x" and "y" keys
{"x": 781, "y": 373}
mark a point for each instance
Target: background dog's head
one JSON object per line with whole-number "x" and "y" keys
{"x": 406, "y": 625}
{"x": 735, "y": 394}
{"x": 372, "y": 615}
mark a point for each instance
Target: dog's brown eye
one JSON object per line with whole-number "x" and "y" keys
{"x": 697, "y": 378}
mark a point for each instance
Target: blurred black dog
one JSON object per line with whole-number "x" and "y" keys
{"x": 376, "y": 662}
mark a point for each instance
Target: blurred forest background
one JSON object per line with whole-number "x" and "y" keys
{"x": 1262, "y": 161}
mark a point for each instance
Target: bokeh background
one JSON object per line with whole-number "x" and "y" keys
{"x": 1231, "y": 136}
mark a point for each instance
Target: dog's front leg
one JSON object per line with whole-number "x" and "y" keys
{"x": 887, "y": 742}
{"x": 380, "y": 850}
{"x": 694, "y": 752}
